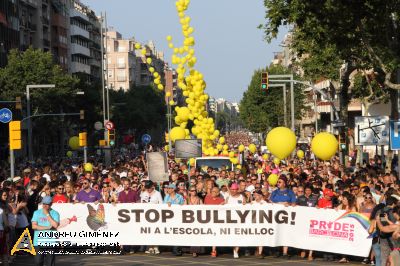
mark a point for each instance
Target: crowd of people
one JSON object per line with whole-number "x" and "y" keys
{"x": 367, "y": 189}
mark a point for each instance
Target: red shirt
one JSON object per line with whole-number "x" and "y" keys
{"x": 60, "y": 198}
{"x": 209, "y": 200}
{"x": 324, "y": 203}
{"x": 26, "y": 180}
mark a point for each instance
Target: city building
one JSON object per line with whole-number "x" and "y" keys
{"x": 59, "y": 21}
{"x": 85, "y": 42}
{"x": 143, "y": 75}
{"x": 9, "y": 29}
{"x": 121, "y": 61}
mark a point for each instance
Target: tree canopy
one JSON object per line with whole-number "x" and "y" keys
{"x": 261, "y": 110}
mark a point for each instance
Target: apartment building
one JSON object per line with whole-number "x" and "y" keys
{"x": 121, "y": 61}
{"x": 9, "y": 28}
{"x": 143, "y": 75}
{"x": 85, "y": 41}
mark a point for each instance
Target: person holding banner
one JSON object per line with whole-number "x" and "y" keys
{"x": 235, "y": 198}
{"x": 259, "y": 200}
{"x": 193, "y": 199}
{"x": 173, "y": 198}
{"x": 283, "y": 195}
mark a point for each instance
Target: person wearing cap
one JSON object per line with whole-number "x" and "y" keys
{"x": 326, "y": 201}
{"x": 173, "y": 198}
{"x": 44, "y": 220}
{"x": 283, "y": 195}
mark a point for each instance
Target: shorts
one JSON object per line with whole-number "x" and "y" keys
{"x": 395, "y": 255}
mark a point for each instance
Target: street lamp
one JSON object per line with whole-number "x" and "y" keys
{"x": 28, "y": 113}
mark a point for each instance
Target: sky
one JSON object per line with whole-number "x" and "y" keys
{"x": 229, "y": 46}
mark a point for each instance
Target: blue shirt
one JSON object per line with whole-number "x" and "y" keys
{"x": 286, "y": 195}
{"x": 41, "y": 219}
{"x": 177, "y": 200}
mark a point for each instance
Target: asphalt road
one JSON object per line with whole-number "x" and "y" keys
{"x": 141, "y": 259}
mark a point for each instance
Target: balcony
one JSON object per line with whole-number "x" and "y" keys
{"x": 76, "y": 14}
{"x": 79, "y": 49}
{"x": 75, "y": 30}
{"x": 77, "y": 67}
{"x": 32, "y": 3}
{"x": 94, "y": 62}
{"x": 58, "y": 20}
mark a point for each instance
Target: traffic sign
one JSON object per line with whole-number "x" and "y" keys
{"x": 394, "y": 135}
{"x": 5, "y": 115}
{"x": 146, "y": 138}
{"x": 109, "y": 125}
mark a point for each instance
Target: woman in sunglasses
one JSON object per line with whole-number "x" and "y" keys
{"x": 193, "y": 199}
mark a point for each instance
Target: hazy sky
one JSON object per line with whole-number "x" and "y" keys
{"x": 229, "y": 47}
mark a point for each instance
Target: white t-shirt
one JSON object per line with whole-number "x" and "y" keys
{"x": 235, "y": 200}
{"x": 154, "y": 197}
{"x": 262, "y": 202}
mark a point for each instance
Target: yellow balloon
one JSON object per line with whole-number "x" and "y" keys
{"x": 166, "y": 147}
{"x": 177, "y": 133}
{"x": 191, "y": 161}
{"x": 222, "y": 140}
{"x": 148, "y": 60}
{"x": 265, "y": 157}
{"x": 169, "y": 38}
{"x": 234, "y": 160}
{"x": 183, "y": 113}
{"x": 231, "y": 154}
{"x": 241, "y": 148}
{"x": 137, "y": 46}
{"x": 281, "y": 141}
{"x": 160, "y": 87}
{"x": 252, "y": 148}
{"x": 171, "y": 102}
{"x": 277, "y": 161}
{"x": 219, "y": 147}
{"x": 74, "y": 143}
{"x": 225, "y": 147}
{"x": 168, "y": 94}
{"x": 88, "y": 167}
{"x": 324, "y": 145}
{"x": 273, "y": 179}
{"x": 69, "y": 154}
{"x": 239, "y": 166}
{"x": 300, "y": 154}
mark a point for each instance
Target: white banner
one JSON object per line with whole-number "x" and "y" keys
{"x": 215, "y": 225}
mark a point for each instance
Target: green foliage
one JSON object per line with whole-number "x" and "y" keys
{"x": 365, "y": 33}
{"x": 141, "y": 108}
{"x": 37, "y": 67}
{"x": 260, "y": 110}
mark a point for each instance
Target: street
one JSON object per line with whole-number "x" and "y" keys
{"x": 168, "y": 259}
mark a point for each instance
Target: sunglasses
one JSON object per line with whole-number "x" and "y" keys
{"x": 192, "y": 190}
{"x": 367, "y": 197}
{"x": 60, "y": 188}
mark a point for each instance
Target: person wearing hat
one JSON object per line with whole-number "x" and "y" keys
{"x": 283, "y": 195}
{"x": 44, "y": 220}
{"x": 173, "y": 198}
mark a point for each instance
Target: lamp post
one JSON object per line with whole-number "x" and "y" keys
{"x": 28, "y": 113}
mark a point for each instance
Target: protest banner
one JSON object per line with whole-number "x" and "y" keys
{"x": 215, "y": 225}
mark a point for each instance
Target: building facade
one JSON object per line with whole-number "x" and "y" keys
{"x": 9, "y": 29}
{"x": 121, "y": 61}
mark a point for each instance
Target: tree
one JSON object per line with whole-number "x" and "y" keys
{"x": 37, "y": 67}
{"x": 364, "y": 34}
{"x": 261, "y": 110}
{"x": 140, "y": 108}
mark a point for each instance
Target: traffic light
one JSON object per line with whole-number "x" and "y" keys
{"x": 82, "y": 114}
{"x": 111, "y": 137}
{"x": 264, "y": 80}
{"x": 15, "y": 135}
{"x": 166, "y": 137}
{"x": 342, "y": 142}
{"x": 102, "y": 143}
{"x": 83, "y": 139}
{"x": 18, "y": 104}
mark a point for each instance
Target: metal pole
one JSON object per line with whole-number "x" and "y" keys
{"x": 284, "y": 105}
{"x": 106, "y": 59}
{"x": 315, "y": 111}
{"x": 12, "y": 170}
{"x": 28, "y": 113}
{"x": 85, "y": 154}
{"x": 102, "y": 68}
{"x": 292, "y": 101}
